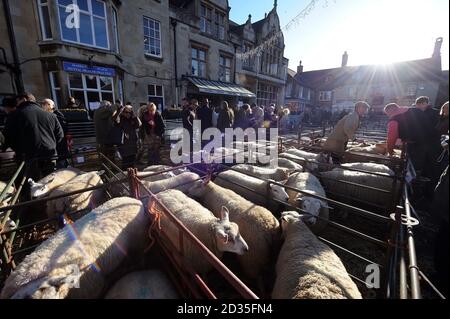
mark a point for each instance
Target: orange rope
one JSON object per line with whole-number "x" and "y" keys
{"x": 155, "y": 214}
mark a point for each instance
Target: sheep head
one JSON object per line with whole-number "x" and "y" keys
{"x": 55, "y": 285}
{"x": 279, "y": 193}
{"x": 312, "y": 206}
{"x": 228, "y": 238}
{"x": 39, "y": 190}
{"x": 287, "y": 218}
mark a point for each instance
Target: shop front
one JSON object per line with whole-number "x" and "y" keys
{"x": 89, "y": 85}
{"x": 216, "y": 92}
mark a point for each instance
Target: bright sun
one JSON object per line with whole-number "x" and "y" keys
{"x": 387, "y": 31}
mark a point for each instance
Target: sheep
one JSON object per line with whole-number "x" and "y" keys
{"x": 187, "y": 183}
{"x": 47, "y": 184}
{"x": 160, "y": 168}
{"x": 262, "y": 190}
{"x": 151, "y": 284}
{"x": 217, "y": 234}
{"x": 311, "y": 159}
{"x": 257, "y": 225}
{"x": 77, "y": 202}
{"x": 315, "y": 207}
{"x": 277, "y": 174}
{"x": 9, "y": 223}
{"x": 82, "y": 254}
{"x": 308, "y": 269}
{"x": 372, "y": 149}
{"x": 332, "y": 182}
{"x": 287, "y": 163}
{"x": 370, "y": 167}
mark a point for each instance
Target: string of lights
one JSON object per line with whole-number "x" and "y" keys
{"x": 273, "y": 40}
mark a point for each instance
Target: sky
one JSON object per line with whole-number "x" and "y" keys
{"x": 371, "y": 31}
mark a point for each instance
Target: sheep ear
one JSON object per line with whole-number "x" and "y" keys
{"x": 225, "y": 214}
{"x": 100, "y": 173}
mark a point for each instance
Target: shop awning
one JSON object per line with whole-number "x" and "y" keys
{"x": 220, "y": 88}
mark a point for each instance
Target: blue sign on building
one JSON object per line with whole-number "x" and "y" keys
{"x": 83, "y": 68}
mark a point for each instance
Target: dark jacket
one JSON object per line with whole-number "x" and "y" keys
{"x": 159, "y": 127}
{"x": 225, "y": 120}
{"x": 204, "y": 114}
{"x": 442, "y": 126}
{"x": 410, "y": 125}
{"x": 105, "y": 130}
{"x": 188, "y": 117}
{"x": 129, "y": 135}
{"x": 61, "y": 147}
{"x": 38, "y": 132}
{"x": 9, "y": 132}
{"x": 242, "y": 120}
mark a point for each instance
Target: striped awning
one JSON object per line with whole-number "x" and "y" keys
{"x": 220, "y": 88}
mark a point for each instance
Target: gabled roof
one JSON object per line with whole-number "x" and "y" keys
{"x": 328, "y": 79}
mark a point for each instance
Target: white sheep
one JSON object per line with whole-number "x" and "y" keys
{"x": 286, "y": 163}
{"x": 260, "y": 191}
{"x": 308, "y": 269}
{"x": 311, "y": 159}
{"x": 277, "y": 174}
{"x": 89, "y": 199}
{"x": 371, "y": 167}
{"x": 315, "y": 207}
{"x": 219, "y": 235}
{"x": 9, "y": 223}
{"x": 257, "y": 225}
{"x": 150, "y": 284}
{"x": 75, "y": 261}
{"x": 187, "y": 183}
{"x": 158, "y": 169}
{"x": 332, "y": 181}
{"x": 60, "y": 177}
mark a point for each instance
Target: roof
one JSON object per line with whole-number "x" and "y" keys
{"x": 220, "y": 88}
{"x": 292, "y": 73}
{"x": 328, "y": 79}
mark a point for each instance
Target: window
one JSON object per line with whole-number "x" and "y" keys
{"x": 93, "y": 23}
{"x": 267, "y": 94}
{"x": 198, "y": 62}
{"x": 156, "y": 95}
{"x": 325, "y": 96}
{"x": 220, "y": 26}
{"x": 212, "y": 22}
{"x": 89, "y": 90}
{"x": 352, "y": 92}
{"x": 152, "y": 37}
{"x": 270, "y": 62}
{"x": 411, "y": 90}
{"x": 44, "y": 18}
{"x": 116, "y": 29}
{"x": 56, "y": 89}
{"x": 205, "y": 19}
{"x": 249, "y": 62}
{"x": 301, "y": 91}
{"x": 225, "y": 69}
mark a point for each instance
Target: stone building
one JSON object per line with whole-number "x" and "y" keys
{"x": 119, "y": 51}
{"x": 339, "y": 88}
{"x": 137, "y": 51}
{"x": 263, "y": 73}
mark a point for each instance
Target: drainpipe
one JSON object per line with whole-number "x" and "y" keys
{"x": 12, "y": 39}
{"x": 174, "y": 25}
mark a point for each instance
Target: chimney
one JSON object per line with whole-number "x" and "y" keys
{"x": 344, "y": 59}
{"x": 300, "y": 68}
{"x": 437, "y": 48}
{"x": 265, "y": 15}
{"x": 249, "y": 18}
{"x": 275, "y": 4}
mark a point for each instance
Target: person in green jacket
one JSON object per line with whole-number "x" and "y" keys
{"x": 345, "y": 130}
